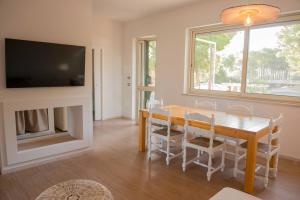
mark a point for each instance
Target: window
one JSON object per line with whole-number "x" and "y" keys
{"x": 146, "y": 63}
{"x": 274, "y": 60}
{"x": 218, "y": 61}
{"x": 259, "y": 62}
{"x": 149, "y": 62}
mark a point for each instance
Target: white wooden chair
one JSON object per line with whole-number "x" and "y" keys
{"x": 206, "y": 105}
{"x": 266, "y": 150}
{"x": 205, "y": 143}
{"x": 234, "y": 143}
{"x": 239, "y": 109}
{"x": 154, "y": 103}
{"x": 151, "y": 103}
{"x": 164, "y": 134}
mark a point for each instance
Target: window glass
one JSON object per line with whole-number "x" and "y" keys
{"x": 274, "y": 60}
{"x": 218, "y": 60}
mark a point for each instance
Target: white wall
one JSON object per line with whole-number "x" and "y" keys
{"x": 59, "y": 21}
{"x": 170, "y": 30}
{"x": 66, "y": 22}
{"x": 107, "y": 35}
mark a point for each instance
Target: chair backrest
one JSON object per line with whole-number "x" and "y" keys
{"x": 207, "y": 105}
{"x": 165, "y": 116}
{"x": 153, "y": 103}
{"x": 239, "y": 109}
{"x": 274, "y": 130}
{"x": 210, "y": 121}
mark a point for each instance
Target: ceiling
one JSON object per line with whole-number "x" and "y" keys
{"x": 126, "y": 10}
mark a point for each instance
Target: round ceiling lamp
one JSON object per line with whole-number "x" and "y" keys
{"x": 249, "y": 14}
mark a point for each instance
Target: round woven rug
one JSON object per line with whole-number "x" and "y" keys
{"x": 76, "y": 190}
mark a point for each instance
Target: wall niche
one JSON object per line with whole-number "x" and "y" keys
{"x": 42, "y": 127}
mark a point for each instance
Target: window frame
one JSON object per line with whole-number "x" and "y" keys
{"x": 139, "y": 59}
{"x": 282, "y": 20}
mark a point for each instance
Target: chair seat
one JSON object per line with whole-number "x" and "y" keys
{"x": 261, "y": 147}
{"x": 164, "y": 132}
{"x": 159, "y": 125}
{"x": 204, "y": 142}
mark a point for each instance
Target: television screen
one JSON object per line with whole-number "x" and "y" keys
{"x": 41, "y": 64}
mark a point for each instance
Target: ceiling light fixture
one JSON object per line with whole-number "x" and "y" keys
{"x": 249, "y": 14}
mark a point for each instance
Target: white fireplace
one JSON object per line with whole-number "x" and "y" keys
{"x": 71, "y": 115}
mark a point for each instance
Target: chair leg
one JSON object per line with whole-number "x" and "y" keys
{"x": 236, "y": 160}
{"x": 184, "y": 158}
{"x": 209, "y": 166}
{"x": 223, "y": 160}
{"x": 149, "y": 147}
{"x": 198, "y": 153}
{"x": 168, "y": 152}
{"x": 266, "y": 179}
{"x": 275, "y": 167}
{"x": 161, "y": 144}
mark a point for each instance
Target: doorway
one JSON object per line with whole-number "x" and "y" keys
{"x": 146, "y": 65}
{"x": 97, "y": 56}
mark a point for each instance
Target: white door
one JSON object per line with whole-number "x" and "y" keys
{"x": 97, "y": 83}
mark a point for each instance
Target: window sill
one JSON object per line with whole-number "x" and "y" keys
{"x": 280, "y": 100}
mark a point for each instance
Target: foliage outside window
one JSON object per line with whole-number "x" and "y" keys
{"x": 260, "y": 61}
{"x": 148, "y": 71}
{"x": 218, "y": 61}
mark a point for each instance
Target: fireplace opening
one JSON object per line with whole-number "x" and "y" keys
{"x": 42, "y": 127}
{"x": 32, "y": 123}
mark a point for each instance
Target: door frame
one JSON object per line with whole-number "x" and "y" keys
{"x": 140, "y": 54}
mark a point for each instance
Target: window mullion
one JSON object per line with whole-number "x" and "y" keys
{"x": 192, "y": 58}
{"x": 245, "y": 60}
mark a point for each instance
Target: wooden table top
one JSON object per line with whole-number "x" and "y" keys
{"x": 222, "y": 119}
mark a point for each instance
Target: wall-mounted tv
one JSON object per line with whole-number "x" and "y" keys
{"x": 41, "y": 64}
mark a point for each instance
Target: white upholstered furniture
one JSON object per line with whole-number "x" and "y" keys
{"x": 232, "y": 194}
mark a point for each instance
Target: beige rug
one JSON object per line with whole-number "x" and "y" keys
{"x": 76, "y": 190}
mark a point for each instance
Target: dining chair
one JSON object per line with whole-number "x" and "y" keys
{"x": 266, "y": 150}
{"x": 240, "y": 109}
{"x": 205, "y": 143}
{"x": 164, "y": 134}
{"x": 154, "y": 103}
{"x": 151, "y": 103}
{"x": 232, "y": 144}
{"x": 207, "y": 105}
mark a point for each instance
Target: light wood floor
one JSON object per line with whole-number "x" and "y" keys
{"x": 116, "y": 163}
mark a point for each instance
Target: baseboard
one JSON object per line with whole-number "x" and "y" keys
{"x": 34, "y": 163}
{"x": 126, "y": 117}
{"x": 291, "y": 158}
{"x": 115, "y": 117}
{"x": 112, "y": 117}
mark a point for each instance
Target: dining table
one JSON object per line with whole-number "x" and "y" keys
{"x": 249, "y": 128}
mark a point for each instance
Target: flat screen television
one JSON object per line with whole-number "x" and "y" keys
{"x": 41, "y": 64}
